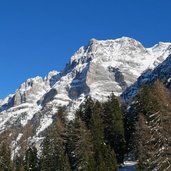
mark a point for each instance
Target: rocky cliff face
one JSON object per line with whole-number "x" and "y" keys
{"x": 105, "y": 66}
{"x": 98, "y": 69}
{"x": 161, "y": 72}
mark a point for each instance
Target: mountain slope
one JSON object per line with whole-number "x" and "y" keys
{"x": 98, "y": 69}
{"x": 161, "y": 72}
{"x": 148, "y": 127}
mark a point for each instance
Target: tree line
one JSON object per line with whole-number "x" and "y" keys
{"x": 94, "y": 140}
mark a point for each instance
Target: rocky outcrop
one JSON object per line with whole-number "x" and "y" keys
{"x": 29, "y": 91}
{"x": 97, "y": 69}
{"x": 161, "y": 72}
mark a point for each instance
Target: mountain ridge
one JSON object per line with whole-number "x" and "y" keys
{"x": 97, "y": 70}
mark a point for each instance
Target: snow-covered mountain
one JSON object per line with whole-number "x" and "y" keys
{"x": 98, "y": 69}
{"x": 161, "y": 72}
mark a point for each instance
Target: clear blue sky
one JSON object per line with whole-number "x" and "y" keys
{"x": 37, "y": 36}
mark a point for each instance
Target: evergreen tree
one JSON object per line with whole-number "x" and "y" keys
{"x": 31, "y": 160}
{"x": 87, "y": 147}
{"x": 85, "y": 111}
{"x": 114, "y": 127}
{"x": 54, "y": 157}
{"x": 152, "y": 128}
{"x": 5, "y": 160}
{"x": 104, "y": 155}
{"x": 79, "y": 146}
{"x": 18, "y": 164}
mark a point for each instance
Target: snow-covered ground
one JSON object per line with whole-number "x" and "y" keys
{"x": 128, "y": 166}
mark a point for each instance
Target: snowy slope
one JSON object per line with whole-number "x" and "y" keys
{"x": 161, "y": 72}
{"x": 21, "y": 106}
{"x": 103, "y": 67}
{"x": 115, "y": 62}
{"x": 128, "y": 166}
{"x": 98, "y": 69}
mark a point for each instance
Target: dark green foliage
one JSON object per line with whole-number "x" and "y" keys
{"x": 105, "y": 157}
{"x": 31, "y": 160}
{"x": 85, "y": 111}
{"x": 54, "y": 157}
{"x": 114, "y": 127}
{"x": 86, "y": 143}
{"x": 18, "y": 164}
{"x": 97, "y": 127}
{"x": 5, "y": 161}
{"x": 152, "y": 129}
{"x": 79, "y": 146}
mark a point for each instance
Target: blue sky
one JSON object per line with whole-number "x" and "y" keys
{"x": 37, "y": 36}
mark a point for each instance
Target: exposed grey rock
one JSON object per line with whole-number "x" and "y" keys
{"x": 48, "y": 97}
{"x": 97, "y": 69}
{"x": 29, "y": 91}
{"x": 161, "y": 72}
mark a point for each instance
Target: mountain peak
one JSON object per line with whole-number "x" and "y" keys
{"x": 162, "y": 45}
{"x": 92, "y": 41}
{"x": 125, "y": 38}
{"x": 97, "y": 70}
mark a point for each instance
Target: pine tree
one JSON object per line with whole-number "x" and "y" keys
{"x": 18, "y": 163}
{"x": 86, "y": 144}
{"x": 152, "y": 128}
{"x": 5, "y": 160}
{"x": 104, "y": 155}
{"x": 31, "y": 160}
{"x": 114, "y": 127}
{"x": 85, "y": 111}
{"x": 79, "y": 146}
{"x": 54, "y": 157}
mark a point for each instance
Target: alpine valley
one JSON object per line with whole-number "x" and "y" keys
{"x": 110, "y": 106}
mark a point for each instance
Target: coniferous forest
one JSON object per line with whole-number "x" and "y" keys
{"x": 94, "y": 140}
{"x": 101, "y": 135}
{"x": 85, "y": 85}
